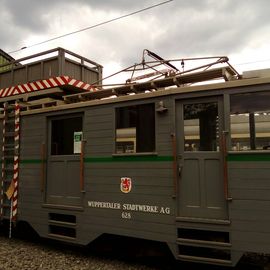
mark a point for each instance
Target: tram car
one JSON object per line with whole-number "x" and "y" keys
{"x": 173, "y": 159}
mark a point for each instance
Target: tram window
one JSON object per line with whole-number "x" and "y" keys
{"x": 135, "y": 129}
{"x": 66, "y": 136}
{"x": 250, "y": 121}
{"x": 201, "y": 131}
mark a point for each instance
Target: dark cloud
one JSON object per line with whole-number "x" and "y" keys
{"x": 31, "y": 16}
{"x": 177, "y": 29}
{"x": 28, "y": 14}
{"x": 222, "y": 27}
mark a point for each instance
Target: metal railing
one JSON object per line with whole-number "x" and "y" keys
{"x": 51, "y": 63}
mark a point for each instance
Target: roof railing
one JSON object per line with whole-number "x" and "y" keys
{"x": 50, "y": 63}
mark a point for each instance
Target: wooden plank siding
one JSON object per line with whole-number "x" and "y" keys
{"x": 151, "y": 177}
{"x": 151, "y": 180}
{"x": 249, "y": 187}
{"x": 32, "y": 135}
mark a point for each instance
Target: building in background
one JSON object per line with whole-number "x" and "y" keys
{"x": 4, "y": 59}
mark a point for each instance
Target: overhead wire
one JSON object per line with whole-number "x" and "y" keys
{"x": 92, "y": 26}
{"x": 252, "y": 62}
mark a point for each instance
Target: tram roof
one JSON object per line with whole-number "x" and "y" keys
{"x": 74, "y": 93}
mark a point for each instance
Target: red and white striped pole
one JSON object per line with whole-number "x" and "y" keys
{"x": 16, "y": 161}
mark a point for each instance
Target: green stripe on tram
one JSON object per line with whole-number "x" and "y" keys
{"x": 245, "y": 157}
{"x": 128, "y": 159}
{"x": 30, "y": 161}
{"x": 249, "y": 157}
{"x": 113, "y": 159}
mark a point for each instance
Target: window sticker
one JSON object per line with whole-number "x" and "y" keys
{"x": 77, "y": 142}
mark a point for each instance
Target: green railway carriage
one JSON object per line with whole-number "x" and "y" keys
{"x": 187, "y": 165}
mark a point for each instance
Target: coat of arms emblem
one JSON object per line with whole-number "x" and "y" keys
{"x": 126, "y": 184}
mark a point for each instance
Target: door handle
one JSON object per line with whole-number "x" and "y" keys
{"x": 180, "y": 168}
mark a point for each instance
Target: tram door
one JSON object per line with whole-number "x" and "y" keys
{"x": 199, "y": 125}
{"x": 63, "y": 161}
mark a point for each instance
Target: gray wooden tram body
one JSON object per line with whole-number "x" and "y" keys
{"x": 177, "y": 196}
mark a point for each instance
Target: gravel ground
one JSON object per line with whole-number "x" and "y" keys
{"x": 43, "y": 254}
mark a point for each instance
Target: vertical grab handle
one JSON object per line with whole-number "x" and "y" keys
{"x": 43, "y": 163}
{"x": 225, "y": 165}
{"x": 82, "y": 166}
{"x": 175, "y": 176}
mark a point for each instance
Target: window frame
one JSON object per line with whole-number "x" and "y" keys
{"x": 200, "y": 144}
{"x": 252, "y": 137}
{"x": 115, "y": 130}
{"x": 50, "y": 120}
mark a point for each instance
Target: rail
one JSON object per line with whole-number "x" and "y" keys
{"x": 51, "y": 63}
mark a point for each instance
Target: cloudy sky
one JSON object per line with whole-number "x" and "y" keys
{"x": 178, "y": 29}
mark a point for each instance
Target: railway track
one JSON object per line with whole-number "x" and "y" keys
{"x": 28, "y": 251}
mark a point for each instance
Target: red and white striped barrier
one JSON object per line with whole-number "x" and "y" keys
{"x": 45, "y": 84}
